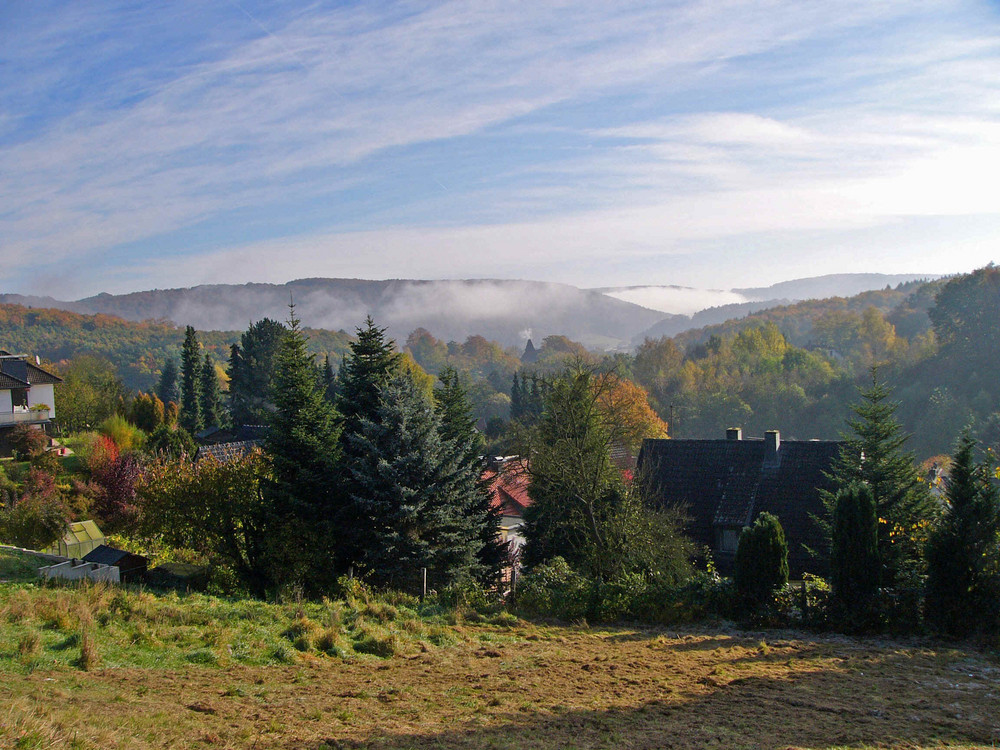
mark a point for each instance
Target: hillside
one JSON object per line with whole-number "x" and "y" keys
{"x": 137, "y": 349}
{"x": 503, "y": 311}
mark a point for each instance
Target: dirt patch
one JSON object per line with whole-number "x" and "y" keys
{"x": 560, "y": 688}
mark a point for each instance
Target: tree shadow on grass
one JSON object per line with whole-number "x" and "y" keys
{"x": 881, "y": 699}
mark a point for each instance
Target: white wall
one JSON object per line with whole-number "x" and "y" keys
{"x": 43, "y": 394}
{"x": 6, "y": 405}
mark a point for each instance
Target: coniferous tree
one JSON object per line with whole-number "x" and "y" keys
{"x": 329, "y": 380}
{"x": 963, "y": 551}
{"x": 166, "y": 386}
{"x": 366, "y": 370}
{"x": 209, "y": 398}
{"x": 516, "y": 399}
{"x": 873, "y": 454}
{"x": 854, "y": 563}
{"x": 302, "y": 441}
{"x": 470, "y": 528}
{"x": 190, "y": 377}
{"x": 761, "y": 564}
{"x": 401, "y": 482}
{"x": 252, "y": 365}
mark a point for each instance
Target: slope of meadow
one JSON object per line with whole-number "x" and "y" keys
{"x": 191, "y": 671}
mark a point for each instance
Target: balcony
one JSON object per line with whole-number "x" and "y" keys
{"x": 24, "y": 416}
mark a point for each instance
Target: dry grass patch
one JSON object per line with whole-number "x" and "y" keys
{"x": 610, "y": 688}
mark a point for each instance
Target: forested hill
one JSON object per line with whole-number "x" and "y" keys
{"x": 797, "y": 368}
{"x": 504, "y": 311}
{"x": 809, "y": 322}
{"x": 136, "y": 349}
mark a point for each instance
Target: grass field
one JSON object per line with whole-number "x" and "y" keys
{"x": 180, "y": 672}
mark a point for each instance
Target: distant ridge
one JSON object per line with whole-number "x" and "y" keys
{"x": 831, "y": 285}
{"x": 502, "y": 310}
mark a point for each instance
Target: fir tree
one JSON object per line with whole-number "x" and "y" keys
{"x": 873, "y": 454}
{"x": 166, "y": 386}
{"x": 855, "y": 567}
{"x": 516, "y": 399}
{"x": 401, "y": 478}
{"x": 252, "y": 365}
{"x": 369, "y": 367}
{"x": 302, "y": 441}
{"x": 209, "y": 397}
{"x": 469, "y": 537}
{"x": 963, "y": 552}
{"x": 329, "y": 380}
{"x": 190, "y": 377}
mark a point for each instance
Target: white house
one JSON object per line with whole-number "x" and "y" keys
{"x": 27, "y": 392}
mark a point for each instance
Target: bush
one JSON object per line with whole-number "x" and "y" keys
{"x": 554, "y": 590}
{"x": 125, "y": 435}
{"x": 38, "y": 517}
{"x": 27, "y": 443}
{"x": 761, "y": 565}
{"x": 171, "y": 440}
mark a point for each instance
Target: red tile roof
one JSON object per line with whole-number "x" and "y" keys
{"x": 508, "y": 489}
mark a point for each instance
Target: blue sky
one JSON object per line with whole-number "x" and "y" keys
{"x": 717, "y": 144}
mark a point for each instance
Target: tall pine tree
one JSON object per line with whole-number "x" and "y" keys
{"x": 963, "y": 552}
{"x": 470, "y": 526}
{"x": 873, "y": 454}
{"x": 302, "y": 441}
{"x": 252, "y": 364}
{"x": 166, "y": 386}
{"x": 209, "y": 398}
{"x": 190, "y": 378}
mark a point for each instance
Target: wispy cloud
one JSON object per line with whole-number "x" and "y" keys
{"x": 476, "y": 138}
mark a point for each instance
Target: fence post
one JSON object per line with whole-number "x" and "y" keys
{"x": 423, "y": 589}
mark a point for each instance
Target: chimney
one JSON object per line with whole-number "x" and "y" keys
{"x": 734, "y": 433}
{"x": 773, "y": 440}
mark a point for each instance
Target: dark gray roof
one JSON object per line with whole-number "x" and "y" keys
{"x": 9, "y": 382}
{"x": 225, "y": 452}
{"x": 38, "y": 376}
{"x": 727, "y": 483}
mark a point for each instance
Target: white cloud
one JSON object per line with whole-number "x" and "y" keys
{"x": 252, "y": 118}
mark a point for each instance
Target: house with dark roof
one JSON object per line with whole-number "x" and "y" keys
{"x": 27, "y": 392}
{"x": 724, "y": 484}
{"x": 27, "y": 395}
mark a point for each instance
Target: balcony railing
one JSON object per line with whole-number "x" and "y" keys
{"x": 24, "y": 416}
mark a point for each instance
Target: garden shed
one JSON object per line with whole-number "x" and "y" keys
{"x": 131, "y": 567}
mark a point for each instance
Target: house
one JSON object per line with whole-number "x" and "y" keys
{"x": 27, "y": 392}
{"x": 508, "y": 483}
{"x": 225, "y": 445}
{"x": 724, "y": 484}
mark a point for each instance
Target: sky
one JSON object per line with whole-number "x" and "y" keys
{"x": 706, "y": 144}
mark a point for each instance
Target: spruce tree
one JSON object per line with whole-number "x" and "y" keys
{"x": 166, "y": 386}
{"x": 372, "y": 362}
{"x": 209, "y": 397}
{"x": 365, "y": 371}
{"x": 963, "y": 551}
{"x": 873, "y": 454}
{"x": 190, "y": 376}
{"x": 470, "y": 527}
{"x": 516, "y": 399}
{"x": 400, "y": 479}
{"x": 329, "y": 380}
{"x": 252, "y": 365}
{"x": 854, "y": 563}
{"x": 302, "y": 441}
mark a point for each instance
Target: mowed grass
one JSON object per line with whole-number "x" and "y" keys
{"x": 96, "y": 667}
